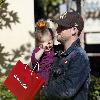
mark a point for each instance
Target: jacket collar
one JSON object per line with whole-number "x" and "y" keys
{"x": 72, "y": 47}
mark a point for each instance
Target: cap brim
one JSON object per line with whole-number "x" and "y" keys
{"x": 61, "y": 22}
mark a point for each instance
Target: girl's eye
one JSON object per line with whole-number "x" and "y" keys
{"x": 49, "y": 42}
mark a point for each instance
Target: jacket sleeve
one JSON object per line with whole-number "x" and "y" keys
{"x": 33, "y": 59}
{"x": 69, "y": 83}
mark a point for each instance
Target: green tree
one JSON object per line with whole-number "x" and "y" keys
{"x": 94, "y": 93}
{"x": 51, "y": 7}
{"x": 46, "y": 8}
{"x": 7, "y": 17}
{"x": 6, "y": 64}
{"x": 7, "y": 60}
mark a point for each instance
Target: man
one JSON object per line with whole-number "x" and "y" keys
{"x": 70, "y": 74}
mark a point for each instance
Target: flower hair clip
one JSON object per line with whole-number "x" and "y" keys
{"x": 41, "y": 24}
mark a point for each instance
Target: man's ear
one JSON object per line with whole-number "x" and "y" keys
{"x": 74, "y": 31}
{"x": 75, "y": 28}
{"x": 74, "y": 34}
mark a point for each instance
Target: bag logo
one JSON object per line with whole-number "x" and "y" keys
{"x": 22, "y": 84}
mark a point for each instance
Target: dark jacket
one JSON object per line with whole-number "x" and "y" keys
{"x": 69, "y": 79}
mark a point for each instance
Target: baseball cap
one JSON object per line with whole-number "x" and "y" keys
{"x": 70, "y": 19}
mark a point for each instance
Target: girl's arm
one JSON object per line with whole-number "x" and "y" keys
{"x": 36, "y": 54}
{"x": 39, "y": 54}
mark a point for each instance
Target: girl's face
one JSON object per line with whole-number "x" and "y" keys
{"x": 46, "y": 42}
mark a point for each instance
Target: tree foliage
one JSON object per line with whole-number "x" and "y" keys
{"x": 46, "y": 8}
{"x": 8, "y": 60}
{"x": 94, "y": 93}
{"x": 5, "y": 94}
{"x": 7, "y": 17}
{"x": 51, "y": 7}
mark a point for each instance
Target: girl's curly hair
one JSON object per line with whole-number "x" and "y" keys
{"x": 42, "y": 28}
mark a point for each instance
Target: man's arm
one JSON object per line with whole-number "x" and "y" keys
{"x": 69, "y": 83}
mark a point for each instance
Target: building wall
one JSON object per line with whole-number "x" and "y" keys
{"x": 19, "y": 34}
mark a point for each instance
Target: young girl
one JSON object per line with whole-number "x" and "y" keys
{"x": 43, "y": 55}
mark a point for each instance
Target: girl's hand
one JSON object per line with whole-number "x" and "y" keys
{"x": 44, "y": 46}
{"x": 39, "y": 54}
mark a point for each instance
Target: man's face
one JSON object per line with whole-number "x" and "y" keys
{"x": 64, "y": 34}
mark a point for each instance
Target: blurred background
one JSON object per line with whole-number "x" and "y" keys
{"x": 17, "y": 21}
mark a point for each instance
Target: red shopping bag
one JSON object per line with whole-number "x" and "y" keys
{"x": 23, "y": 82}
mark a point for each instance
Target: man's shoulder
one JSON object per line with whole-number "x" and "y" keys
{"x": 81, "y": 51}
{"x": 77, "y": 53}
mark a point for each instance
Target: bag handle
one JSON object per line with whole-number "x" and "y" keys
{"x": 36, "y": 66}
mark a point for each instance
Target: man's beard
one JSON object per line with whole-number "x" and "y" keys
{"x": 61, "y": 39}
